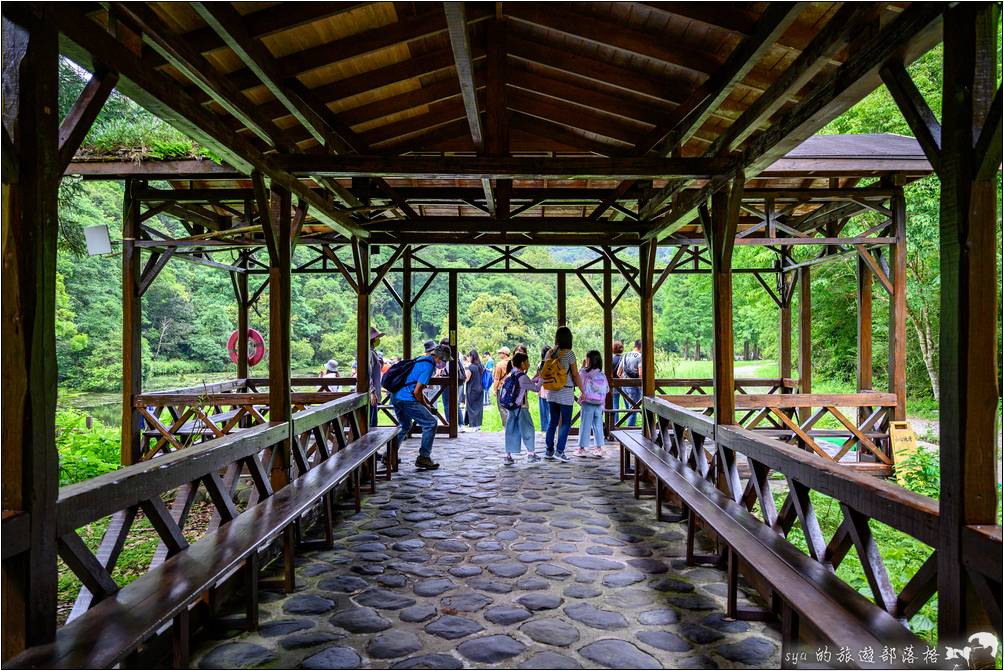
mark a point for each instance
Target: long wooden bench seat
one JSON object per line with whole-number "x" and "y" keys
{"x": 117, "y": 625}
{"x": 808, "y": 591}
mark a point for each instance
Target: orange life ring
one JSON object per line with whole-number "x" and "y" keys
{"x": 256, "y": 347}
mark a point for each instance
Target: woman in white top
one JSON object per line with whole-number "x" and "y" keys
{"x": 561, "y": 401}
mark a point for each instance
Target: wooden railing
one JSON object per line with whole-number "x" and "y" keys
{"x": 741, "y": 463}
{"x": 166, "y": 486}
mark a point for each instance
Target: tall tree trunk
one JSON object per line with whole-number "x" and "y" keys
{"x": 925, "y": 338}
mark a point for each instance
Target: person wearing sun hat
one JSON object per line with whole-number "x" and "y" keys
{"x": 376, "y": 373}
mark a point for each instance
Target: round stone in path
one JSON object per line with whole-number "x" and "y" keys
{"x": 309, "y": 639}
{"x": 616, "y": 654}
{"x": 490, "y": 649}
{"x": 307, "y": 604}
{"x": 384, "y": 599}
{"x": 393, "y": 644}
{"x": 451, "y": 545}
{"x": 540, "y": 601}
{"x": 553, "y": 571}
{"x": 530, "y": 557}
{"x": 664, "y": 640}
{"x": 507, "y": 535}
{"x": 670, "y": 584}
{"x": 237, "y": 656}
{"x": 360, "y": 620}
{"x": 753, "y": 650}
{"x": 433, "y": 586}
{"x": 648, "y": 565}
{"x": 392, "y": 580}
{"x": 506, "y": 615}
{"x": 335, "y": 657}
{"x": 699, "y": 634}
{"x": 530, "y": 584}
{"x": 343, "y": 583}
{"x": 599, "y": 550}
{"x": 693, "y": 602}
{"x": 597, "y": 618}
{"x": 719, "y": 622}
{"x": 660, "y": 617}
{"x": 452, "y": 626}
{"x": 623, "y": 578}
{"x": 489, "y": 585}
{"x": 580, "y": 591}
{"x": 551, "y": 631}
{"x": 465, "y": 571}
{"x": 507, "y": 569}
{"x": 593, "y": 563}
{"x": 419, "y": 613}
{"x": 283, "y": 627}
{"x": 418, "y": 516}
{"x": 409, "y": 545}
{"x": 550, "y": 660}
{"x": 466, "y": 603}
{"x": 429, "y": 662}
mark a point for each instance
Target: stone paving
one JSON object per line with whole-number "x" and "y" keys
{"x": 479, "y": 564}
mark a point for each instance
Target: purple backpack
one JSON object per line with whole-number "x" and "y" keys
{"x": 595, "y": 387}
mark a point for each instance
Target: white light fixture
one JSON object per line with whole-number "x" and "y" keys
{"x": 98, "y": 242}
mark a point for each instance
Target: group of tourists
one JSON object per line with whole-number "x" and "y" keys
{"x": 556, "y": 380}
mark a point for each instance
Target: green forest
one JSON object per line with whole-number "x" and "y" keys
{"x": 189, "y": 311}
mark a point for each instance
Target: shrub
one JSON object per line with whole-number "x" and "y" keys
{"x": 84, "y": 453}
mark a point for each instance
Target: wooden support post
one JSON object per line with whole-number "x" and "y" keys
{"x": 278, "y": 222}
{"x": 561, "y": 295}
{"x": 805, "y": 337}
{"x": 646, "y": 278}
{"x": 608, "y": 338}
{"x": 454, "y": 391}
{"x": 406, "y": 320}
{"x": 132, "y": 325}
{"x": 242, "y": 319}
{"x": 30, "y": 231}
{"x": 897, "y": 305}
{"x": 864, "y": 333}
{"x": 784, "y": 333}
{"x": 968, "y": 349}
{"x": 361, "y": 257}
{"x": 721, "y": 233}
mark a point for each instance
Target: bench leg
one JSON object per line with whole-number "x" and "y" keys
{"x": 179, "y": 639}
{"x": 329, "y": 523}
{"x": 658, "y": 499}
{"x": 637, "y": 479}
{"x": 357, "y": 489}
{"x": 289, "y": 560}
{"x": 789, "y": 636}
{"x": 732, "y": 578}
{"x": 251, "y": 588}
{"x": 623, "y": 468}
{"x": 373, "y": 473}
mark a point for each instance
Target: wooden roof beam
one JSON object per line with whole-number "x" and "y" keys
{"x": 910, "y": 34}
{"x": 460, "y": 42}
{"x": 229, "y": 25}
{"x": 694, "y": 111}
{"x": 503, "y": 167}
{"x": 83, "y": 41}
{"x": 185, "y": 57}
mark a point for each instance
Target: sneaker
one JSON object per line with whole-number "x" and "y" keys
{"x": 532, "y": 458}
{"x": 509, "y": 460}
{"x": 581, "y": 452}
{"x": 426, "y": 464}
{"x": 549, "y": 456}
{"x": 562, "y": 457}
{"x": 598, "y": 453}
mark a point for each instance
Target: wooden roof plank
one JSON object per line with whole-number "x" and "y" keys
{"x": 460, "y": 42}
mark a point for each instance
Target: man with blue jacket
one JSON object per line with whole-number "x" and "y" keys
{"x": 412, "y": 407}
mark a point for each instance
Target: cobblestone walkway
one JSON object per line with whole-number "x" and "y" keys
{"x": 478, "y": 564}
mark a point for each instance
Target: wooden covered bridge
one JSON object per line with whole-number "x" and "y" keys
{"x": 353, "y": 136}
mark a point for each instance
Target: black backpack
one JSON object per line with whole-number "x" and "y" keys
{"x": 397, "y": 375}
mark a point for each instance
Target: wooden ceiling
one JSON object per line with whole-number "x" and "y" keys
{"x": 269, "y": 84}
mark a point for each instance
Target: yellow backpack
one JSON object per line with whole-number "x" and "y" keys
{"x": 553, "y": 373}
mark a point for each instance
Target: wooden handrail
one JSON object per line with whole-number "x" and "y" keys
{"x": 695, "y": 421}
{"x": 98, "y": 497}
{"x": 241, "y": 398}
{"x": 759, "y": 401}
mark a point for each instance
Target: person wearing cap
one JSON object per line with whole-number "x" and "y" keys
{"x": 376, "y": 373}
{"x": 412, "y": 407}
{"x": 498, "y": 379}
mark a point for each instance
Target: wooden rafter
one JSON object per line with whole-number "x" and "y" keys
{"x": 78, "y": 122}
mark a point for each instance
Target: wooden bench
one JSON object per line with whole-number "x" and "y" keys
{"x": 806, "y": 590}
{"x": 121, "y": 622}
